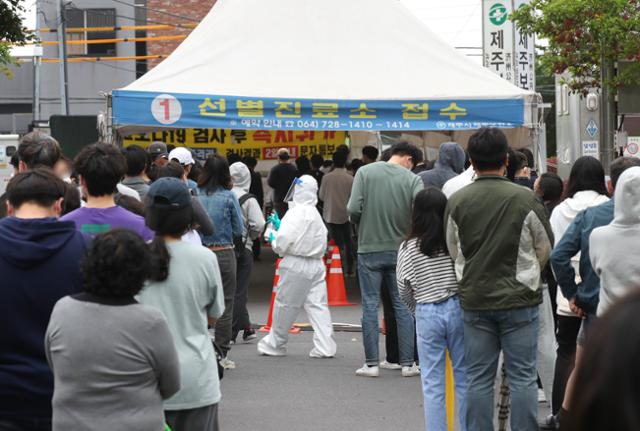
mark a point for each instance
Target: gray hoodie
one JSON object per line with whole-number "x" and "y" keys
{"x": 450, "y": 164}
{"x": 251, "y": 211}
{"x": 615, "y": 249}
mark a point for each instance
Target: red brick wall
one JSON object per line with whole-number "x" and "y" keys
{"x": 195, "y": 9}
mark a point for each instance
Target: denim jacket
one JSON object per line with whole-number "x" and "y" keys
{"x": 224, "y": 210}
{"x": 576, "y": 239}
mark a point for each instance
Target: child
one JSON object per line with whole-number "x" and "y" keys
{"x": 427, "y": 284}
{"x": 301, "y": 241}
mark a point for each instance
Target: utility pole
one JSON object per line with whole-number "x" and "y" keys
{"x": 62, "y": 54}
{"x": 609, "y": 120}
{"x": 37, "y": 63}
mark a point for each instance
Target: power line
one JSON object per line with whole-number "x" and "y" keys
{"x": 115, "y": 28}
{"x": 115, "y": 40}
{"x": 113, "y": 66}
{"x": 455, "y": 38}
{"x": 98, "y": 59}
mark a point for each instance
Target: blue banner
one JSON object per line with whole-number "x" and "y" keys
{"x": 137, "y": 108}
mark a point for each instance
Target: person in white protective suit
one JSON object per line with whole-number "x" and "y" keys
{"x": 301, "y": 241}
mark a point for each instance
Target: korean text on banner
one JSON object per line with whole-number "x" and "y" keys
{"x": 261, "y": 144}
{"x": 249, "y": 113}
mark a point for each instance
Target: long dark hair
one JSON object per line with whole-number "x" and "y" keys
{"x": 303, "y": 165}
{"x": 427, "y": 224}
{"x": 215, "y": 174}
{"x": 586, "y": 174}
{"x": 606, "y": 387}
{"x": 166, "y": 221}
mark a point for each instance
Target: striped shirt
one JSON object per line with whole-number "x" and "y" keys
{"x": 423, "y": 279}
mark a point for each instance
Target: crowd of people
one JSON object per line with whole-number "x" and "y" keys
{"x": 118, "y": 267}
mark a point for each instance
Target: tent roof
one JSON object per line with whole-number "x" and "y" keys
{"x": 321, "y": 49}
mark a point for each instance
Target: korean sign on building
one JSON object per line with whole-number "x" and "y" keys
{"x": 506, "y": 50}
{"x": 261, "y": 144}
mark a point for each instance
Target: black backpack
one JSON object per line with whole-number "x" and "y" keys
{"x": 238, "y": 243}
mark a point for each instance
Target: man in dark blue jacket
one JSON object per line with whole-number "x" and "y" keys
{"x": 583, "y": 297}
{"x": 39, "y": 264}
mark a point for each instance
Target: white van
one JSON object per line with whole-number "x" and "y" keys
{"x": 8, "y": 147}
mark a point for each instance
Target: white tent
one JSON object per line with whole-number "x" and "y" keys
{"x": 319, "y": 65}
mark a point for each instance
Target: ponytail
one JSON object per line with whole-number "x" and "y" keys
{"x": 160, "y": 259}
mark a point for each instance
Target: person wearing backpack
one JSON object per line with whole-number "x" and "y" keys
{"x": 253, "y": 226}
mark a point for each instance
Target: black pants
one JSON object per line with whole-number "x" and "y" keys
{"x": 566, "y": 335}
{"x": 227, "y": 264}
{"x": 200, "y": 419}
{"x": 256, "y": 248}
{"x": 241, "y": 318}
{"x": 391, "y": 338}
{"x": 341, "y": 234}
{"x": 25, "y": 424}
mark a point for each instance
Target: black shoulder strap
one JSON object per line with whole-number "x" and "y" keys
{"x": 245, "y": 198}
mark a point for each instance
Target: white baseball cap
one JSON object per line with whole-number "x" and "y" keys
{"x": 182, "y": 155}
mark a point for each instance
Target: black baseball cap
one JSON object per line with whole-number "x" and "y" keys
{"x": 158, "y": 149}
{"x": 169, "y": 193}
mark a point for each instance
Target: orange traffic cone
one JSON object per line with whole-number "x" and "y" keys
{"x": 328, "y": 254}
{"x": 276, "y": 278}
{"x": 267, "y": 327}
{"x": 336, "y": 292}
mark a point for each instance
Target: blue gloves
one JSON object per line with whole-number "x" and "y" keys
{"x": 275, "y": 221}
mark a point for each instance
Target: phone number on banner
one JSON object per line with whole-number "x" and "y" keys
{"x": 321, "y": 125}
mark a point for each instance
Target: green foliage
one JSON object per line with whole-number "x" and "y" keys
{"x": 6, "y": 60}
{"x": 12, "y": 32}
{"x": 583, "y": 35}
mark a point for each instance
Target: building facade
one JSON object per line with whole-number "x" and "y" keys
{"x": 181, "y": 13}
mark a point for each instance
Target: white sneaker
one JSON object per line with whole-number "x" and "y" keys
{"x": 266, "y": 349}
{"x": 314, "y": 353}
{"x": 390, "y": 366}
{"x": 541, "y": 397}
{"x": 228, "y": 364}
{"x": 367, "y": 371}
{"x": 411, "y": 371}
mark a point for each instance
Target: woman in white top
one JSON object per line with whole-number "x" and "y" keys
{"x": 586, "y": 188}
{"x": 428, "y": 286}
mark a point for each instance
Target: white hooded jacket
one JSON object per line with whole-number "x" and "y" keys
{"x": 561, "y": 218}
{"x": 614, "y": 249}
{"x": 302, "y": 232}
{"x": 251, "y": 211}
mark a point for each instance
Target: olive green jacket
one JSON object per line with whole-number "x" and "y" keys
{"x": 499, "y": 236}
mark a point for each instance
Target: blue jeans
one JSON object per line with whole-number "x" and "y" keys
{"x": 515, "y": 332}
{"x": 440, "y": 327}
{"x": 373, "y": 268}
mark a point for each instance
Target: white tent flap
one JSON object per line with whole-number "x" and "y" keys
{"x": 318, "y": 65}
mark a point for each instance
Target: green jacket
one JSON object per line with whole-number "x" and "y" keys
{"x": 499, "y": 237}
{"x": 380, "y": 204}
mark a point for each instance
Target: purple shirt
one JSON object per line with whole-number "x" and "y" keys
{"x": 93, "y": 221}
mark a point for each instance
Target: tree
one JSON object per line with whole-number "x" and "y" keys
{"x": 584, "y": 35}
{"x": 12, "y": 32}
{"x": 546, "y": 86}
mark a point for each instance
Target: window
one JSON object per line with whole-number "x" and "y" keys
{"x": 91, "y": 18}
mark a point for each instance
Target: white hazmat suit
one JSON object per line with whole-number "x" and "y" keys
{"x": 301, "y": 242}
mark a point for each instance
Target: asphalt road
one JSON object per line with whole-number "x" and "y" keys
{"x": 300, "y": 393}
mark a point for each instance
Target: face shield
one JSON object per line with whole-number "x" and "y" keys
{"x": 288, "y": 198}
